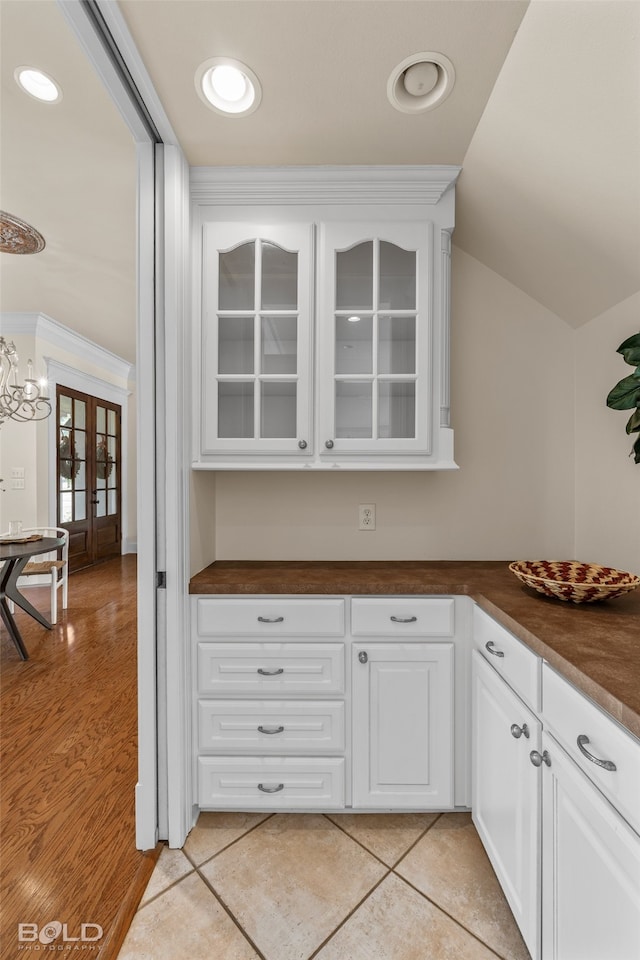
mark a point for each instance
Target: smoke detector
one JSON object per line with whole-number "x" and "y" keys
{"x": 421, "y": 82}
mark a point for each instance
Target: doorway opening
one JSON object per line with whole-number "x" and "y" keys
{"x": 89, "y": 476}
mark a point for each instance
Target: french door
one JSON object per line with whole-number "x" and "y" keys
{"x": 89, "y": 476}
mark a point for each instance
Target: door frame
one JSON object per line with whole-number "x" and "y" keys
{"x": 61, "y": 375}
{"x": 163, "y": 791}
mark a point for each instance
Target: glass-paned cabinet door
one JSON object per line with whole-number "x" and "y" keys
{"x": 256, "y": 339}
{"x": 375, "y": 339}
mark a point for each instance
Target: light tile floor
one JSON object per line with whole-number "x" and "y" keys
{"x": 341, "y": 887}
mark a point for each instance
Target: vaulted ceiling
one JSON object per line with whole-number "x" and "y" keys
{"x": 544, "y": 119}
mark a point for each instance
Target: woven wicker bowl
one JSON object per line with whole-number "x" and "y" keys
{"x": 573, "y": 581}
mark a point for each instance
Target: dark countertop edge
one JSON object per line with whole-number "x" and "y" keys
{"x": 233, "y": 584}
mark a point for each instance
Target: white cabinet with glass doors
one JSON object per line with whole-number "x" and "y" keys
{"x": 257, "y": 303}
{"x": 324, "y": 339}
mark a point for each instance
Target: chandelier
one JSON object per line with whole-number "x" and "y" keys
{"x": 20, "y": 401}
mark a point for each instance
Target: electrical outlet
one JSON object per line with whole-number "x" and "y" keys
{"x": 366, "y": 516}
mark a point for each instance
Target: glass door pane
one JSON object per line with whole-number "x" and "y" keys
{"x": 236, "y": 286}
{"x": 397, "y": 282}
{"x": 396, "y": 409}
{"x": 235, "y": 409}
{"x": 353, "y": 409}
{"x": 396, "y": 344}
{"x": 279, "y": 345}
{"x": 279, "y": 278}
{"x": 235, "y": 344}
{"x": 354, "y": 345}
{"x": 278, "y": 409}
{"x": 354, "y": 277}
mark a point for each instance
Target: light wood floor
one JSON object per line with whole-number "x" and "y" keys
{"x": 69, "y": 764}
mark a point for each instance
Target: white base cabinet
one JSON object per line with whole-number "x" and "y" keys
{"x": 337, "y": 702}
{"x": 556, "y": 788}
{"x": 591, "y": 869}
{"x": 402, "y": 725}
{"x": 506, "y": 794}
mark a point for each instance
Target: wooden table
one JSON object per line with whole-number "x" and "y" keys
{"x": 14, "y": 557}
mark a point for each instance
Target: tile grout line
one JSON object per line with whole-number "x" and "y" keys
{"x": 231, "y": 916}
{"x": 231, "y": 843}
{"x": 457, "y": 922}
{"x": 349, "y": 915}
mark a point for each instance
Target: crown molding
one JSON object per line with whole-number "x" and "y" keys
{"x": 232, "y": 186}
{"x": 46, "y": 328}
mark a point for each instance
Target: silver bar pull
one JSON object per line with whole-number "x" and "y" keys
{"x": 273, "y": 788}
{"x": 262, "y": 729}
{"x": 270, "y": 673}
{"x": 605, "y": 764}
{"x": 489, "y": 645}
{"x": 518, "y": 732}
{"x": 270, "y": 619}
{"x": 403, "y": 619}
{"x": 537, "y": 759}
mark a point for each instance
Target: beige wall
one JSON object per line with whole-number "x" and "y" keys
{"x": 512, "y": 412}
{"x": 607, "y": 479}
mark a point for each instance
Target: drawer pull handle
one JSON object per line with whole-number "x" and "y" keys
{"x": 270, "y": 619}
{"x": 605, "y": 764}
{"x": 262, "y": 729}
{"x": 518, "y": 732}
{"x": 489, "y": 645}
{"x": 270, "y": 673}
{"x": 273, "y": 788}
{"x": 404, "y": 619}
{"x": 537, "y": 759}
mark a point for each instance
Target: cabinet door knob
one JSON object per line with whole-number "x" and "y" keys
{"x": 329, "y": 444}
{"x": 270, "y": 619}
{"x": 605, "y": 764}
{"x": 537, "y": 759}
{"x": 489, "y": 647}
{"x": 518, "y": 732}
{"x": 363, "y": 656}
{"x": 270, "y": 788}
{"x": 302, "y": 444}
{"x": 270, "y": 673}
{"x": 262, "y": 729}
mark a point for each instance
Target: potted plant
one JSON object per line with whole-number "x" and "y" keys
{"x": 626, "y": 393}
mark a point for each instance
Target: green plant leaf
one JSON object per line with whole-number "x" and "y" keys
{"x": 636, "y": 450}
{"x": 633, "y": 423}
{"x": 630, "y": 349}
{"x": 626, "y": 393}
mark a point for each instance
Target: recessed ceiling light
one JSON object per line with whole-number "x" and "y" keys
{"x": 421, "y": 82}
{"x": 228, "y": 87}
{"x": 37, "y": 84}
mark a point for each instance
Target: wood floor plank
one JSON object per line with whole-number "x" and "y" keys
{"x": 68, "y": 737}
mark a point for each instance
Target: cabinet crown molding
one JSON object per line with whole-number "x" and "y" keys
{"x": 321, "y": 185}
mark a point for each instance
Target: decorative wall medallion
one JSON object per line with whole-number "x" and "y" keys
{"x": 16, "y": 236}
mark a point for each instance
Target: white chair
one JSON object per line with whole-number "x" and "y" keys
{"x": 54, "y": 565}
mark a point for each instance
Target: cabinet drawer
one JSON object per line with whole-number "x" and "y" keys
{"x": 512, "y": 659}
{"x": 249, "y": 783}
{"x": 403, "y": 617}
{"x": 270, "y": 669}
{"x": 569, "y": 715}
{"x": 276, "y": 726}
{"x": 270, "y": 618}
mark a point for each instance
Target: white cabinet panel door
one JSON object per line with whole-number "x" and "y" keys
{"x": 403, "y": 725}
{"x": 591, "y": 869}
{"x": 506, "y": 794}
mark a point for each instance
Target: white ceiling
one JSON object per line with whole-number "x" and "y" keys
{"x": 544, "y": 118}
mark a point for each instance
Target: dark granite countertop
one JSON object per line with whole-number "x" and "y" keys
{"x": 594, "y": 645}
